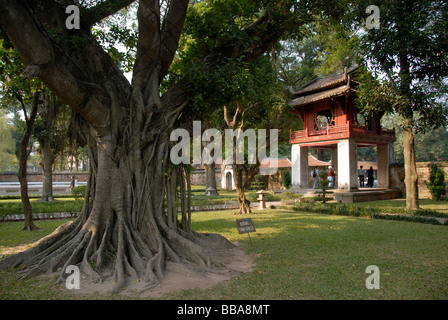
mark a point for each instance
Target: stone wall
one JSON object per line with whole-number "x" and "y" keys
{"x": 198, "y": 177}
{"x": 275, "y": 181}
{"x": 423, "y": 170}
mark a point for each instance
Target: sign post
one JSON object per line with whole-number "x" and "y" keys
{"x": 245, "y": 226}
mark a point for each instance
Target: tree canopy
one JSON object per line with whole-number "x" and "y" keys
{"x": 409, "y": 51}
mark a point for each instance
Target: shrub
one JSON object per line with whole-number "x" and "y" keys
{"x": 323, "y": 186}
{"x": 78, "y": 192}
{"x": 258, "y": 183}
{"x": 286, "y": 179}
{"x": 436, "y": 184}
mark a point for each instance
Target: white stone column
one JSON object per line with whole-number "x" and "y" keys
{"x": 299, "y": 169}
{"x": 383, "y": 157}
{"x": 334, "y": 163}
{"x": 391, "y": 152}
{"x": 347, "y": 165}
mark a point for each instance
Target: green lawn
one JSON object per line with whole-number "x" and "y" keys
{"x": 300, "y": 256}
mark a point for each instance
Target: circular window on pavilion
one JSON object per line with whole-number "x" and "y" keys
{"x": 321, "y": 122}
{"x": 361, "y": 119}
{"x": 323, "y": 119}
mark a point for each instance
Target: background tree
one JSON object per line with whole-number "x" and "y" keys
{"x": 7, "y": 147}
{"x": 410, "y": 51}
{"x": 50, "y": 130}
{"x": 20, "y": 93}
{"x": 430, "y": 146}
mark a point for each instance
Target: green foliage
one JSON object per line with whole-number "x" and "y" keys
{"x": 11, "y": 207}
{"x": 436, "y": 184}
{"x": 340, "y": 48}
{"x": 258, "y": 183}
{"x": 410, "y": 51}
{"x": 430, "y": 146}
{"x": 323, "y": 187}
{"x": 78, "y": 192}
{"x": 118, "y": 36}
{"x": 7, "y": 145}
{"x": 286, "y": 179}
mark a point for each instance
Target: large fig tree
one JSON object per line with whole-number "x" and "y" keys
{"x": 130, "y": 211}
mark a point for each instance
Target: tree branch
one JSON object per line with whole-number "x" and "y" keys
{"x": 148, "y": 46}
{"x": 171, "y": 32}
{"x": 262, "y": 35}
{"x": 104, "y": 9}
{"x": 65, "y": 72}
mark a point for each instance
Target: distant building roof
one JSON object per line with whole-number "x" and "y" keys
{"x": 286, "y": 163}
{"x": 281, "y": 163}
{"x": 314, "y": 162}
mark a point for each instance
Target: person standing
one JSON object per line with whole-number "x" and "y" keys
{"x": 361, "y": 175}
{"x": 72, "y": 182}
{"x": 331, "y": 175}
{"x": 315, "y": 175}
{"x": 370, "y": 177}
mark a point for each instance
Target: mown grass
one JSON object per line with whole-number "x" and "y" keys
{"x": 301, "y": 255}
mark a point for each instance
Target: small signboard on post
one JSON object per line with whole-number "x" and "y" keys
{"x": 245, "y": 226}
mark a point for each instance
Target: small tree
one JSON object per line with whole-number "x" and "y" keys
{"x": 323, "y": 186}
{"x": 436, "y": 184}
{"x": 286, "y": 179}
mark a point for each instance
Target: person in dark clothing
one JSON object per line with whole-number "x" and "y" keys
{"x": 370, "y": 177}
{"x": 72, "y": 182}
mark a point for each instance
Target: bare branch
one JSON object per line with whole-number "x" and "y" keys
{"x": 244, "y": 112}
{"x": 262, "y": 34}
{"x": 231, "y": 124}
{"x": 237, "y": 112}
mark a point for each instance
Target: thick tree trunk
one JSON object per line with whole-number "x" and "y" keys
{"x": 411, "y": 177}
{"x": 410, "y": 169}
{"x": 240, "y": 180}
{"x": 210, "y": 176}
{"x": 210, "y": 169}
{"x": 130, "y": 212}
{"x": 48, "y": 112}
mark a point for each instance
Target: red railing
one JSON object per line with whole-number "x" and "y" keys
{"x": 342, "y": 131}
